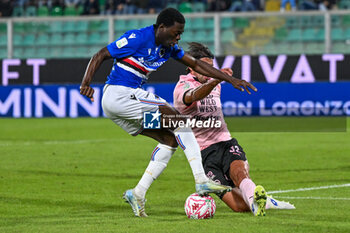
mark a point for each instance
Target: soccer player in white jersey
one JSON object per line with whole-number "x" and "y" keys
{"x": 224, "y": 160}
{"x": 136, "y": 54}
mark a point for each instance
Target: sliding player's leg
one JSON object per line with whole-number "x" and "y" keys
{"x": 254, "y": 196}
{"x": 225, "y": 163}
{"x": 234, "y": 164}
{"x": 234, "y": 200}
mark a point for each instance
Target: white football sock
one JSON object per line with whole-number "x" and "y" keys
{"x": 159, "y": 160}
{"x": 188, "y": 143}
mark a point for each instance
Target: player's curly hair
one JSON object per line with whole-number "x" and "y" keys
{"x": 169, "y": 16}
{"x": 198, "y": 50}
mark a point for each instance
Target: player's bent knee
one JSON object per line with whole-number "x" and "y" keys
{"x": 165, "y": 153}
{"x": 170, "y": 141}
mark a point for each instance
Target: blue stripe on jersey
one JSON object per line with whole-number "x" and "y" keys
{"x": 139, "y": 45}
{"x": 146, "y": 101}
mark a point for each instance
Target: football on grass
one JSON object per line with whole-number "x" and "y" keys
{"x": 197, "y": 207}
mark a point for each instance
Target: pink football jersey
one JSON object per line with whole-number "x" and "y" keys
{"x": 209, "y": 107}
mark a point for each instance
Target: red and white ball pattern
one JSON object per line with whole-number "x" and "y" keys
{"x": 197, "y": 207}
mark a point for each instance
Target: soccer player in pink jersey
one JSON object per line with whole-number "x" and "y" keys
{"x": 223, "y": 158}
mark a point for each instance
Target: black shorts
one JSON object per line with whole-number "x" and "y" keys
{"x": 217, "y": 159}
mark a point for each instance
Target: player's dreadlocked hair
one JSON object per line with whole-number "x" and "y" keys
{"x": 198, "y": 51}
{"x": 169, "y": 16}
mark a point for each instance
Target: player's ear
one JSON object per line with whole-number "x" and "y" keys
{"x": 189, "y": 70}
{"x": 162, "y": 26}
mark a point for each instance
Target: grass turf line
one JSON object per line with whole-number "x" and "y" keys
{"x": 68, "y": 175}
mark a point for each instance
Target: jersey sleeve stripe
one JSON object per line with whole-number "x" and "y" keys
{"x": 151, "y": 102}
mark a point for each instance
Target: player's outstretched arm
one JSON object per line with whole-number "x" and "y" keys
{"x": 200, "y": 92}
{"x": 209, "y": 71}
{"x": 92, "y": 67}
{"x": 203, "y": 90}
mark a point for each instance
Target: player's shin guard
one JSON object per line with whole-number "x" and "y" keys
{"x": 247, "y": 187}
{"x": 159, "y": 160}
{"x": 254, "y": 196}
{"x": 188, "y": 143}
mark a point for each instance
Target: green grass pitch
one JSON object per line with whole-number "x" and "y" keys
{"x": 68, "y": 175}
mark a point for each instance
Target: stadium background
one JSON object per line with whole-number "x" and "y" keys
{"x": 66, "y": 175}
{"x": 270, "y": 47}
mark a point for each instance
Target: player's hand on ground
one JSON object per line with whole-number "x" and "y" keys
{"x": 87, "y": 91}
{"x": 240, "y": 84}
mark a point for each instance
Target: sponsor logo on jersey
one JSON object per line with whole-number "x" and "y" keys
{"x": 186, "y": 86}
{"x": 121, "y": 43}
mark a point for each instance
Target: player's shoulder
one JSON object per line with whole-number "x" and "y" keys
{"x": 132, "y": 38}
{"x": 184, "y": 83}
{"x": 142, "y": 32}
{"x": 179, "y": 84}
{"x": 140, "y": 35}
{"x": 133, "y": 34}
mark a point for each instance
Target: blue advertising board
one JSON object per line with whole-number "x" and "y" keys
{"x": 279, "y": 99}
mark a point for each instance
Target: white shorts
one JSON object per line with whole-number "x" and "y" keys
{"x": 125, "y": 106}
